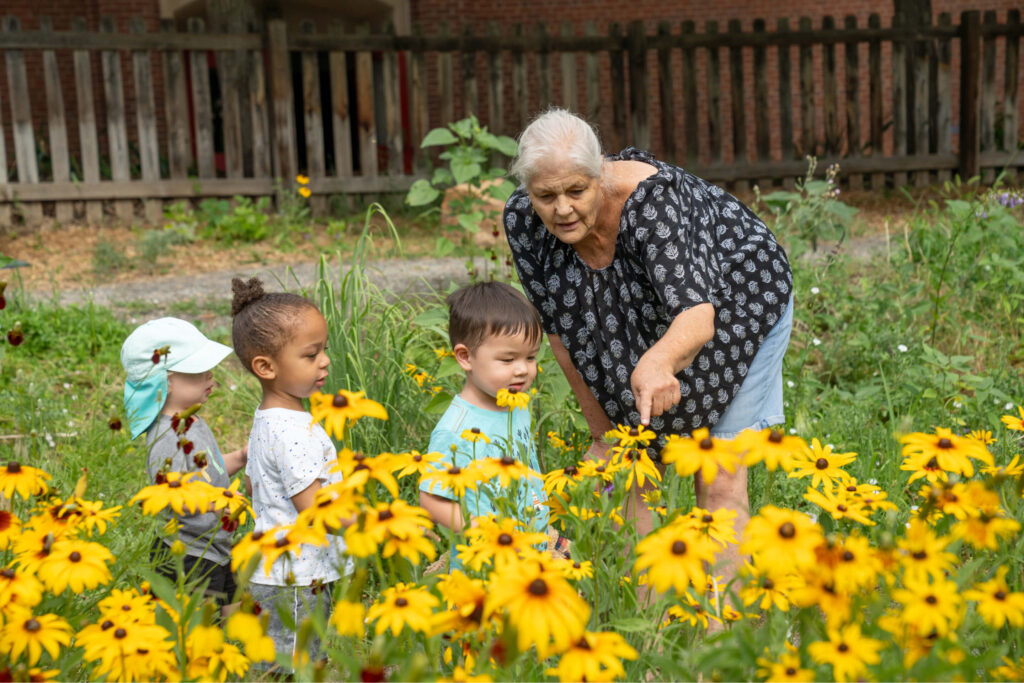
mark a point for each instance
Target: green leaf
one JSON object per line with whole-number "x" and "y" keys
{"x": 502, "y": 190}
{"x": 465, "y": 169}
{"x": 439, "y": 136}
{"x": 442, "y": 176}
{"x": 629, "y": 625}
{"x": 432, "y": 317}
{"x": 506, "y": 145}
{"x": 9, "y": 262}
{"x": 448, "y": 367}
{"x": 464, "y": 128}
{"x": 470, "y": 222}
{"x": 421, "y": 193}
{"x": 443, "y": 246}
{"x": 438, "y": 404}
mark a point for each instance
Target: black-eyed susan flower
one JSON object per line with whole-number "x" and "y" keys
{"x": 23, "y": 480}
{"x": 869, "y": 496}
{"x": 719, "y": 525}
{"x": 702, "y": 453}
{"x": 932, "y": 606}
{"x": 840, "y": 506}
{"x": 997, "y": 604}
{"x": 465, "y": 598}
{"x": 403, "y": 605}
{"x": 577, "y": 570}
{"x": 693, "y": 614}
{"x": 924, "y": 465}
{"x": 952, "y": 453}
{"x": 232, "y": 503}
{"x": 379, "y": 468}
{"x": 512, "y": 399}
{"x": 1014, "y": 468}
{"x": 985, "y": 530}
{"x": 674, "y": 557}
{"x": 348, "y": 618}
{"x": 818, "y": 589}
{"x": 33, "y": 546}
{"x": 847, "y": 651}
{"x": 854, "y": 563}
{"x": 19, "y": 588}
{"x": 767, "y": 588}
{"x": 416, "y": 463}
{"x": 557, "y": 481}
{"x": 594, "y": 657}
{"x": 786, "y": 668}
{"x": 75, "y": 564}
{"x": 31, "y": 634}
{"x": 455, "y": 479}
{"x": 1014, "y": 422}
{"x": 505, "y": 469}
{"x": 924, "y": 553}
{"x": 210, "y": 657}
{"x": 496, "y": 542}
{"x": 630, "y": 437}
{"x": 545, "y": 609}
{"x": 638, "y": 463}
{"x": 600, "y": 469}
{"x": 10, "y": 528}
{"x": 473, "y": 435}
{"x": 982, "y": 435}
{"x": 247, "y": 628}
{"x": 344, "y": 408}
{"x": 396, "y": 519}
{"x": 769, "y": 446}
{"x": 821, "y": 464}
{"x": 128, "y": 602}
{"x": 182, "y": 492}
{"x": 781, "y": 538}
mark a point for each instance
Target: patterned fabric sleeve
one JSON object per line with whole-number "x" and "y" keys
{"x": 525, "y": 235}
{"x": 299, "y": 455}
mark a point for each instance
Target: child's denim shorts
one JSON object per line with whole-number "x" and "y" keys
{"x": 758, "y": 405}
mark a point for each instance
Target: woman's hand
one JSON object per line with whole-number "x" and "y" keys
{"x": 655, "y": 387}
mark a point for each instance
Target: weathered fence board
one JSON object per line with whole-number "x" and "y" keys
{"x": 117, "y": 125}
{"x": 313, "y": 121}
{"x": 60, "y": 160}
{"x": 202, "y": 106}
{"x": 145, "y": 117}
{"x": 87, "y": 134}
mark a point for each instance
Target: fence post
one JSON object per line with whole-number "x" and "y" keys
{"x": 970, "y": 61}
{"x": 636, "y": 45}
{"x": 285, "y": 159}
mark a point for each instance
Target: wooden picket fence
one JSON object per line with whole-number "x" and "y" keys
{"x": 243, "y": 113}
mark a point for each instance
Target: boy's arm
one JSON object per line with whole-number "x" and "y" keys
{"x": 236, "y": 460}
{"x": 306, "y": 497}
{"x": 443, "y": 511}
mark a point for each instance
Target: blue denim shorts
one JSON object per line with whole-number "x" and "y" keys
{"x": 758, "y": 404}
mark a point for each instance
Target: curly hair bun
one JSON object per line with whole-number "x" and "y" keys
{"x": 245, "y": 293}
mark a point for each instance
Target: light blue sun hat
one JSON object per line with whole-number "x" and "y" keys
{"x": 146, "y": 367}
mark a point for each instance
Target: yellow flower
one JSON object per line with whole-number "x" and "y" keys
{"x": 701, "y": 453}
{"x": 1010, "y": 671}
{"x": 473, "y": 435}
{"x": 339, "y": 410}
{"x": 1014, "y": 468}
{"x": 595, "y": 657}
{"x": 696, "y": 615}
{"x": 1014, "y": 422}
{"x": 10, "y": 528}
{"x": 30, "y": 634}
{"x": 771, "y": 447}
{"x": 75, "y": 564}
{"x": 397, "y": 519}
{"x": 210, "y": 658}
{"x": 985, "y": 530}
{"x": 358, "y": 467}
{"x": 675, "y": 557}
{"x": 982, "y": 435}
{"x": 639, "y": 464}
{"x": 838, "y": 505}
{"x": 717, "y": 525}
{"x": 465, "y": 598}
{"x": 930, "y": 606}
{"x": 997, "y": 604}
{"x": 854, "y": 564}
{"x": 556, "y": 481}
{"x": 305, "y": 192}
{"x": 627, "y": 437}
{"x": 924, "y": 553}
{"x": 19, "y": 588}
{"x": 786, "y": 668}
{"x": 847, "y": 651}
{"x": 578, "y": 570}
{"x": 455, "y": 479}
{"x": 401, "y": 605}
{"x": 603, "y": 469}
{"x": 21, "y": 479}
{"x": 511, "y": 398}
{"x": 302, "y": 180}
{"x": 781, "y": 538}
{"x": 952, "y": 453}
{"x": 182, "y": 492}
{"x": 506, "y": 469}
{"x": 233, "y": 503}
{"x": 769, "y": 588}
{"x": 500, "y": 542}
{"x": 544, "y": 608}
{"x": 416, "y": 463}
{"x": 348, "y": 618}
{"x": 822, "y": 465}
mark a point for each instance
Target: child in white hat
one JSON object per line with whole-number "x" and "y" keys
{"x": 169, "y": 368}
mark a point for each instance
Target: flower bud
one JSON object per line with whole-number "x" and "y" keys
{"x": 177, "y": 548}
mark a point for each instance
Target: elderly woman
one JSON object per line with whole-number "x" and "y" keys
{"x": 666, "y": 301}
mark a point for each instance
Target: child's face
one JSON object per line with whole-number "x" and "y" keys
{"x": 502, "y": 361}
{"x": 301, "y": 364}
{"x": 185, "y": 389}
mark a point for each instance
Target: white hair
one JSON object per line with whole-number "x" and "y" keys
{"x": 557, "y": 135}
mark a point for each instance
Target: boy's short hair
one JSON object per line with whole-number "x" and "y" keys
{"x": 478, "y": 311}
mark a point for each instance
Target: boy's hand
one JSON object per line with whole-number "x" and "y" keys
{"x": 236, "y": 460}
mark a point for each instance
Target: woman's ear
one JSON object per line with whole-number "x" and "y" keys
{"x": 461, "y": 352}
{"x": 264, "y": 368}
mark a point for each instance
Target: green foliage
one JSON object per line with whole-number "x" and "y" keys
{"x": 108, "y": 259}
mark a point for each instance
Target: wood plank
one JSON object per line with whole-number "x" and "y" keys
{"x": 418, "y": 98}
{"x": 145, "y": 118}
{"x": 852, "y": 97}
{"x": 1011, "y": 93}
{"x": 543, "y": 64}
{"x": 259, "y": 113}
{"x": 787, "y": 142}
{"x": 366, "y": 123}
{"x": 312, "y": 120}
{"x": 92, "y": 41}
{"x": 667, "y": 100}
{"x": 944, "y": 96}
{"x": 970, "y": 87}
{"x": 570, "y": 94}
{"x": 737, "y": 98}
{"x": 285, "y": 155}
{"x": 202, "y": 107}
{"x": 179, "y": 138}
{"x": 639, "y": 121}
{"x": 875, "y": 99}
{"x": 988, "y": 94}
{"x": 519, "y": 90}
{"x": 689, "y": 85}
{"x": 233, "y": 90}
{"x": 117, "y": 126}
{"x": 87, "y": 137}
{"x": 830, "y": 105}
{"x": 922, "y": 120}
{"x": 341, "y": 121}
{"x": 60, "y": 159}
{"x": 393, "y": 113}
{"x": 495, "y": 85}
{"x": 808, "y": 144}
{"x": 762, "y": 132}
{"x": 445, "y": 79}
{"x": 714, "y": 85}
{"x": 21, "y": 122}
{"x": 617, "y": 135}
{"x": 5, "y": 207}
{"x": 470, "y": 90}
{"x": 592, "y": 78}
{"x": 899, "y": 101}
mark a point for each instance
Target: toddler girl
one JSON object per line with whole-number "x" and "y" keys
{"x": 282, "y": 339}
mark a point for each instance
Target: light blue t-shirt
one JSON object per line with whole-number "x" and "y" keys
{"x": 462, "y": 415}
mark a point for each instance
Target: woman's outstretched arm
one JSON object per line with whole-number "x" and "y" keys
{"x": 593, "y": 413}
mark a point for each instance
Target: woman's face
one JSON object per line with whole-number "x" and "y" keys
{"x": 567, "y": 202}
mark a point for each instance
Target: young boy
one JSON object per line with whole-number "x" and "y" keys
{"x": 168, "y": 364}
{"x": 495, "y": 334}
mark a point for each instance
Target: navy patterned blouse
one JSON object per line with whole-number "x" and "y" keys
{"x": 681, "y": 242}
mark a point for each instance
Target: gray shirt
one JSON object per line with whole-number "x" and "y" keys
{"x": 195, "y": 530}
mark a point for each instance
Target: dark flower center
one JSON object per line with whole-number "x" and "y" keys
{"x": 841, "y": 507}
{"x": 633, "y": 431}
{"x": 417, "y": 458}
{"x": 106, "y": 624}
{"x": 455, "y": 470}
{"x": 475, "y": 430}
{"x": 775, "y": 436}
{"x": 176, "y": 484}
{"x": 401, "y": 602}
{"x": 931, "y": 599}
{"x": 583, "y": 644}
{"x": 706, "y": 443}
{"x": 257, "y": 535}
{"x": 281, "y": 542}
{"x": 790, "y": 671}
{"x": 787, "y": 530}
{"x": 767, "y": 584}
{"x": 575, "y": 565}
{"x": 385, "y": 515}
{"x": 851, "y": 488}
{"x": 944, "y": 443}
{"x": 821, "y": 464}
{"x": 505, "y": 539}
{"x": 843, "y": 647}
{"x": 75, "y": 556}
{"x": 707, "y": 519}
{"x": 538, "y": 587}
{"x": 126, "y": 608}
{"x": 142, "y": 651}
{"x": 999, "y": 595}
{"x": 13, "y": 467}
{"x": 33, "y": 625}
{"x": 848, "y": 556}
{"x": 570, "y": 471}
{"x": 600, "y": 469}
{"x": 507, "y": 460}
{"x": 120, "y": 633}
{"x": 339, "y": 401}
{"x": 932, "y": 464}
{"x": 7, "y": 573}
{"x": 919, "y": 555}
{"x": 679, "y": 548}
